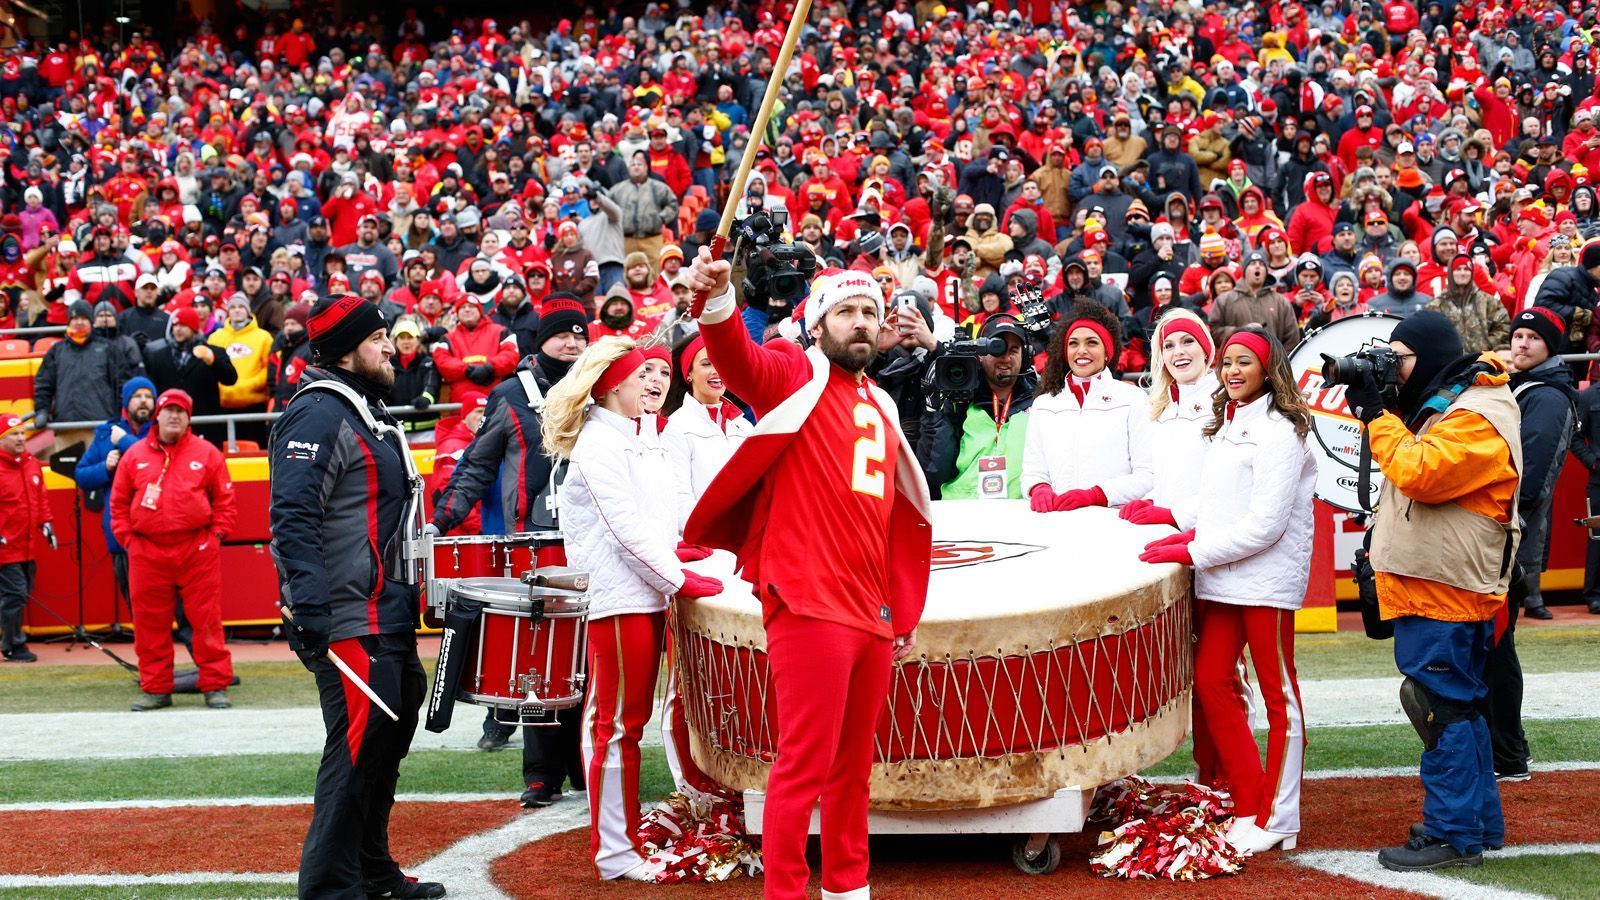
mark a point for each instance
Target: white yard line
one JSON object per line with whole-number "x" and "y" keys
{"x": 1362, "y": 865}
{"x": 1376, "y": 701}
{"x": 210, "y": 732}
{"x": 1403, "y": 771}
{"x": 463, "y": 868}
{"x": 287, "y": 879}
{"x": 213, "y": 802}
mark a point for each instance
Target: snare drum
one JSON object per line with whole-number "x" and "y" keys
{"x": 485, "y": 555}
{"x": 527, "y": 651}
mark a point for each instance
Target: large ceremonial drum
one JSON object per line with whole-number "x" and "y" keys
{"x": 1048, "y": 657}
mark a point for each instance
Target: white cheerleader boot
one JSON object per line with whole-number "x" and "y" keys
{"x": 861, "y": 893}
{"x": 1259, "y": 840}
{"x": 1238, "y": 827}
{"x": 644, "y": 871}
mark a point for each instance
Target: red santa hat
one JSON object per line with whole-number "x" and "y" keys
{"x": 834, "y": 286}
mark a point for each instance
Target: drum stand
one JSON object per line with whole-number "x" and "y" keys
{"x": 1035, "y": 822}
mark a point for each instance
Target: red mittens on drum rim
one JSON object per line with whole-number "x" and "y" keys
{"x": 692, "y": 552}
{"x": 699, "y": 586}
{"x": 1146, "y": 512}
{"x": 1043, "y": 498}
{"x": 1170, "y": 549}
{"x": 1081, "y": 498}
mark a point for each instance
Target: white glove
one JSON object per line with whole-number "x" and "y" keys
{"x": 709, "y": 132}
{"x": 117, "y": 434}
{"x": 49, "y": 534}
{"x": 431, "y": 530}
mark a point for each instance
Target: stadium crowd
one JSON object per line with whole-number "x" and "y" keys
{"x": 179, "y": 205}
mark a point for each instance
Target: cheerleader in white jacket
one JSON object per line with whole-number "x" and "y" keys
{"x": 703, "y": 428}
{"x": 1181, "y": 389}
{"x": 619, "y": 517}
{"x": 1088, "y": 438}
{"x": 1251, "y": 552}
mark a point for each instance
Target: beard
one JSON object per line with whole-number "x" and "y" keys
{"x": 139, "y": 416}
{"x": 380, "y": 373}
{"x": 844, "y": 353}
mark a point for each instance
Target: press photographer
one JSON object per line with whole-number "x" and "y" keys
{"x": 776, "y": 271}
{"x": 977, "y": 414}
{"x": 1444, "y": 431}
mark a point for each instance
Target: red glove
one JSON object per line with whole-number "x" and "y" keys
{"x": 1168, "y": 553}
{"x": 1151, "y": 514}
{"x": 1183, "y": 538}
{"x": 692, "y": 552}
{"x": 1041, "y": 498}
{"x": 1134, "y": 506}
{"x": 1080, "y": 498}
{"x": 699, "y": 586}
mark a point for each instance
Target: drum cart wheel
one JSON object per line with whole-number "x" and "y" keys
{"x": 1038, "y": 854}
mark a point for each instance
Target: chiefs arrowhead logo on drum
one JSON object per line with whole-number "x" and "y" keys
{"x": 956, "y": 554}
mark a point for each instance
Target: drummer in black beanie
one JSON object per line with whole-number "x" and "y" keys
{"x": 507, "y": 445}
{"x": 339, "y": 492}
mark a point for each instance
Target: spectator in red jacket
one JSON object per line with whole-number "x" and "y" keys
{"x": 476, "y": 351}
{"x": 171, "y": 507}
{"x": 25, "y": 530}
{"x": 1311, "y": 224}
{"x": 668, "y": 162}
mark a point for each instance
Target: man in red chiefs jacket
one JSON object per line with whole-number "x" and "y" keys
{"x": 829, "y": 475}
{"x": 171, "y": 507}
{"x": 25, "y": 530}
{"x": 476, "y": 351}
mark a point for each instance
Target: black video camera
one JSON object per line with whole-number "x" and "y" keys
{"x": 957, "y": 374}
{"x": 774, "y": 270}
{"x": 1379, "y": 362}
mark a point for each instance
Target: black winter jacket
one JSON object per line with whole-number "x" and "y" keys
{"x": 79, "y": 382}
{"x": 173, "y": 365}
{"x": 509, "y": 445}
{"x": 338, "y": 499}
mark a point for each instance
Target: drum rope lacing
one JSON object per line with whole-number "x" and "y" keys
{"x": 727, "y": 696}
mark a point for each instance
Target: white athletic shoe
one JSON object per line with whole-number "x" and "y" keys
{"x": 861, "y": 893}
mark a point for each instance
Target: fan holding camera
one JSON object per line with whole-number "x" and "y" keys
{"x": 976, "y": 422}
{"x": 1444, "y": 431}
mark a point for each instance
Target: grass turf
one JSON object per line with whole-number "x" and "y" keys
{"x": 1571, "y": 875}
{"x": 222, "y": 890}
{"x": 447, "y": 771}
{"x": 276, "y": 685}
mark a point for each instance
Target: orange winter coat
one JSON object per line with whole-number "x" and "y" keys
{"x": 1463, "y": 459}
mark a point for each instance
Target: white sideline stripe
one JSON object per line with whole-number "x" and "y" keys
{"x": 1403, "y": 771}
{"x": 1363, "y": 866}
{"x": 287, "y": 879}
{"x": 211, "y": 802}
{"x": 463, "y": 867}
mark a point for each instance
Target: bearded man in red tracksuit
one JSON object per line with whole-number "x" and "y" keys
{"x": 171, "y": 506}
{"x": 829, "y": 475}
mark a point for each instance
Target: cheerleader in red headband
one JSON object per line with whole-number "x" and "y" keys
{"x": 619, "y": 513}
{"x": 1251, "y": 552}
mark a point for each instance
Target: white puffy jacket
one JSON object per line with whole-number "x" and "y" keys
{"x": 619, "y": 515}
{"x": 1178, "y": 450}
{"x": 1105, "y": 443}
{"x": 698, "y": 448}
{"x": 1252, "y": 542}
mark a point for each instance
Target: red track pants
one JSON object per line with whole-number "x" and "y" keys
{"x": 1271, "y": 795}
{"x": 1207, "y": 764}
{"x": 831, "y": 683}
{"x": 624, "y": 657}
{"x": 156, "y": 573}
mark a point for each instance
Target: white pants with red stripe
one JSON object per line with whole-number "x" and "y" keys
{"x": 1270, "y": 794}
{"x": 624, "y": 658}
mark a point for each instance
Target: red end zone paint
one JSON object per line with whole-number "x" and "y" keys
{"x": 214, "y": 839}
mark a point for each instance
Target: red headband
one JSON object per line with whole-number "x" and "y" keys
{"x": 617, "y": 373}
{"x": 658, "y": 351}
{"x": 1253, "y": 342}
{"x": 1092, "y": 325}
{"x": 687, "y": 354}
{"x": 1191, "y": 328}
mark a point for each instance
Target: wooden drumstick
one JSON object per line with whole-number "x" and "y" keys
{"x": 758, "y": 130}
{"x": 349, "y": 673}
{"x": 567, "y": 581}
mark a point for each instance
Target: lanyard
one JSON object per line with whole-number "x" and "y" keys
{"x": 1005, "y": 413}
{"x": 165, "y": 464}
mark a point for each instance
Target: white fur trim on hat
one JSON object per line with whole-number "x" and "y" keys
{"x": 828, "y": 290}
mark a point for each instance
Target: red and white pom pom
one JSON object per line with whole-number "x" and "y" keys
{"x": 698, "y": 838}
{"x": 1174, "y": 832}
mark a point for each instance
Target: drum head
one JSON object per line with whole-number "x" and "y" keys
{"x": 510, "y": 595}
{"x": 1337, "y": 432}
